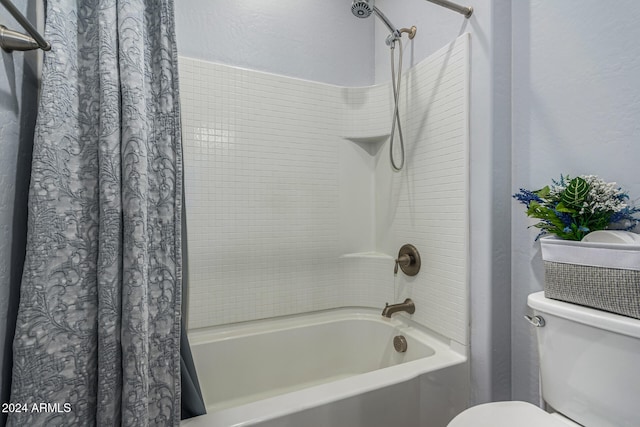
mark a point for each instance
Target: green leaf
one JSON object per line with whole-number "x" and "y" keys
{"x": 538, "y": 211}
{"x": 560, "y": 207}
{"x": 575, "y": 193}
{"x": 543, "y": 192}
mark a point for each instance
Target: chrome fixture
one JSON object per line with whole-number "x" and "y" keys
{"x": 406, "y": 306}
{"x": 537, "y": 321}
{"x": 408, "y": 260}
{"x": 467, "y": 11}
{"x": 12, "y": 40}
{"x": 400, "y": 343}
{"x": 364, "y": 9}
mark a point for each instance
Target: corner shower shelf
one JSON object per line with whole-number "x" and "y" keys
{"x": 367, "y": 139}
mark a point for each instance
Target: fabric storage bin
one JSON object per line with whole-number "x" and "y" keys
{"x": 604, "y": 276}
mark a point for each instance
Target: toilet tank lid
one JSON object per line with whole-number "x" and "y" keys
{"x": 585, "y": 315}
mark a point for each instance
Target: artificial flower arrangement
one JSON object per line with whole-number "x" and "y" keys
{"x": 570, "y": 208}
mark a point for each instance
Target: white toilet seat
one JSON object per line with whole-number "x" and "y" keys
{"x": 507, "y": 414}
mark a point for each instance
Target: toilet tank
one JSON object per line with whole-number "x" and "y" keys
{"x": 589, "y": 363}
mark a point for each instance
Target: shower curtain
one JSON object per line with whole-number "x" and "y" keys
{"x": 98, "y": 332}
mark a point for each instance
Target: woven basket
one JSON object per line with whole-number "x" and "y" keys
{"x": 597, "y": 275}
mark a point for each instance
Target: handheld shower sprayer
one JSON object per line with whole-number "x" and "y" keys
{"x": 364, "y": 9}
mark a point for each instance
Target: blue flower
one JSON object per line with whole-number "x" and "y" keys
{"x": 583, "y": 228}
{"x": 540, "y": 234}
{"x": 563, "y": 182}
{"x": 526, "y": 197}
{"x": 622, "y": 196}
{"x": 618, "y": 216}
{"x": 626, "y": 215}
{"x": 564, "y": 217}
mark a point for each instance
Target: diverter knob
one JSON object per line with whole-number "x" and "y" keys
{"x": 408, "y": 260}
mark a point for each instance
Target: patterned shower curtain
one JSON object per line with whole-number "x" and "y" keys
{"x": 98, "y": 331}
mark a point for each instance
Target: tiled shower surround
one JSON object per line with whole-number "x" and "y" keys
{"x": 292, "y": 205}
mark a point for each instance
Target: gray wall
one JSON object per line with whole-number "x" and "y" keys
{"x": 309, "y": 39}
{"x": 18, "y": 98}
{"x": 576, "y": 110}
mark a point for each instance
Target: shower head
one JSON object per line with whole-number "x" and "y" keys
{"x": 362, "y": 8}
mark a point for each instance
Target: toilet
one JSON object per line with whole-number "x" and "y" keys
{"x": 589, "y": 372}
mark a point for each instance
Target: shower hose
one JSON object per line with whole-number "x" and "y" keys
{"x": 395, "y": 122}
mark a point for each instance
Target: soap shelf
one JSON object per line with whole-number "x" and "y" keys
{"x": 367, "y": 139}
{"x": 370, "y": 143}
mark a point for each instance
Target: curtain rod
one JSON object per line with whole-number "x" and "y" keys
{"x": 467, "y": 11}
{"x": 12, "y": 40}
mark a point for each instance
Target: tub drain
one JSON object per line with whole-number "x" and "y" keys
{"x": 400, "y": 343}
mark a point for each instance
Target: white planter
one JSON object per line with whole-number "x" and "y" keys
{"x": 605, "y": 276}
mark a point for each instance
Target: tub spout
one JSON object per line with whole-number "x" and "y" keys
{"x": 407, "y": 306}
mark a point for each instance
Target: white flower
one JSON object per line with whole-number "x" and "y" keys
{"x": 603, "y": 196}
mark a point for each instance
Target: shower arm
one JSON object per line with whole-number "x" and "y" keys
{"x": 394, "y": 31}
{"x": 396, "y": 34}
{"x": 467, "y": 11}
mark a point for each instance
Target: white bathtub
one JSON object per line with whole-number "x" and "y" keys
{"x": 335, "y": 368}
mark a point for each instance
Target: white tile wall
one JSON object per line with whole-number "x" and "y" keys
{"x": 276, "y": 196}
{"x": 426, "y": 204}
{"x": 261, "y": 157}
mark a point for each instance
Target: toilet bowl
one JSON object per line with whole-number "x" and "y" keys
{"x": 589, "y": 371}
{"x": 509, "y": 414}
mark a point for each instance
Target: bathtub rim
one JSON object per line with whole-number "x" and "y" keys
{"x": 199, "y": 336}
{"x": 447, "y": 353}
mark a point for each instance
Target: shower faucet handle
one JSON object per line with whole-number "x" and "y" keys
{"x": 408, "y": 260}
{"x": 403, "y": 260}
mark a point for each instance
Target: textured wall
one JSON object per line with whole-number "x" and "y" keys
{"x": 309, "y": 39}
{"x": 576, "y": 110}
{"x": 18, "y": 97}
{"x": 285, "y": 179}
